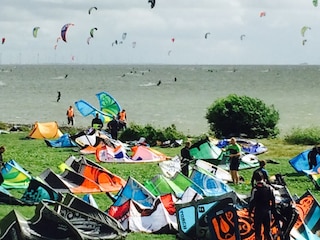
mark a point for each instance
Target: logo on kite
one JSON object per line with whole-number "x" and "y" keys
{"x": 64, "y": 30}
{"x": 152, "y": 3}
{"x": 35, "y": 31}
{"x": 90, "y": 9}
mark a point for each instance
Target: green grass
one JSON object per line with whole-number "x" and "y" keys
{"x": 35, "y": 156}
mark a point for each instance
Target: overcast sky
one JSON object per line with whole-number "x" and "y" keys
{"x": 271, "y": 39}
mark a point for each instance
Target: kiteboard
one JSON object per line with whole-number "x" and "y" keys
{"x": 250, "y": 159}
{"x": 214, "y": 170}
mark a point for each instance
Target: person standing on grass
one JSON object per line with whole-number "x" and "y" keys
{"x": 97, "y": 123}
{"x": 113, "y": 126}
{"x": 186, "y": 158}
{"x": 122, "y": 117}
{"x": 260, "y": 170}
{"x": 312, "y": 157}
{"x": 234, "y": 150}
{"x": 2, "y": 150}
{"x": 70, "y": 115}
{"x": 261, "y": 205}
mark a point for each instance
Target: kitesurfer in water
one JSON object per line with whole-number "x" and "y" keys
{"x": 70, "y": 115}
{"x": 97, "y": 122}
{"x": 66, "y": 75}
{"x": 158, "y": 84}
{"x": 59, "y": 96}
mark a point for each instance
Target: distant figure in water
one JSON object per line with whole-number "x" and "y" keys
{"x": 59, "y": 96}
{"x": 66, "y": 75}
{"x": 175, "y": 79}
{"x": 159, "y": 83}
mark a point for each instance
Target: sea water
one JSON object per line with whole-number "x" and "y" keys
{"x": 28, "y": 93}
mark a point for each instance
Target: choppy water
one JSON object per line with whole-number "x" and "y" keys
{"x": 28, "y": 93}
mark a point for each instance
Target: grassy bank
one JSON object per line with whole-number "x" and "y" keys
{"x": 35, "y": 156}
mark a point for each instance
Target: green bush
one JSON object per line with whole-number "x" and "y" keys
{"x": 134, "y": 132}
{"x": 235, "y": 115}
{"x": 307, "y": 136}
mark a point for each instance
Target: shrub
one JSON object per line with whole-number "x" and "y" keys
{"x": 235, "y": 115}
{"x": 307, "y": 136}
{"x": 152, "y": 135}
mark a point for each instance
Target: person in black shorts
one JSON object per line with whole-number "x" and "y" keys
{"x": 234, "y": 150}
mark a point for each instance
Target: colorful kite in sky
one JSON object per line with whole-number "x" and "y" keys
{"x": 304, "y": 29}
{"x": 64, "y": 30}
{"x": 35, "y": 31}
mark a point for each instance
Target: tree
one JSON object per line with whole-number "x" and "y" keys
{"x": 235, "y": 115}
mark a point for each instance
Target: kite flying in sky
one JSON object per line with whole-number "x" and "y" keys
{"x": 304, "y": 29}
{"x": 35, "y": 31}
{"x": 152, "y": 3}
{"x": 262, "y": 14}
{"x": 90, "y": 9}
{"x": 315, "y": 3}
{"x": 92, "y": 30}
{"x": 64, "y": 30}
